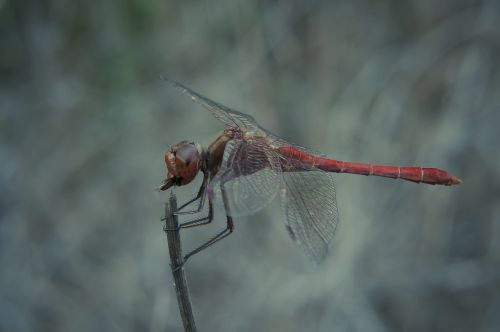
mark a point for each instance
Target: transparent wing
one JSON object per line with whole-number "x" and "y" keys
{"x": 250, "y": 175}
{"x": 233, "y": 118}
{"x": 310, "y": 206}
{"x": 228, "y": 116}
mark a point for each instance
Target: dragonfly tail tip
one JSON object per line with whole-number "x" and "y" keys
{"x": 454, "y": 180}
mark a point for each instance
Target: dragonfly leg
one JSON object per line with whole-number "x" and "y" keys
{"x": 200, "y": 196}
{"x": 221, "y": 235}
{"x": 200, "y": 221}
{"x": 196, "y": 222}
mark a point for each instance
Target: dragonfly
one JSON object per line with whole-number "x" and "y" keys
{"x": 247, "y": 166}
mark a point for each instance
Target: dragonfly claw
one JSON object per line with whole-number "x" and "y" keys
{"x": 166, "y": 229}
{"x": 178, "y": 267}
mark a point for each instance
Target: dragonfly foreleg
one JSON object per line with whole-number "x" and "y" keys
{"x": 200, "y": 196}
{"x": 200, "y": 221}
{"x": 196, "y": 222}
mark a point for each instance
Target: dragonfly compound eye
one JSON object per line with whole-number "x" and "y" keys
{"x": 183, "y": 162}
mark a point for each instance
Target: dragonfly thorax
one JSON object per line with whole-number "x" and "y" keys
{"x": 183, "y": 162}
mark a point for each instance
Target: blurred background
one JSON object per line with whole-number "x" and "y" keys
{"x": 85, "y": 120}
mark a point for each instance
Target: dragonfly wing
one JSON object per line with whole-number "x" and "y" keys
{"x": 310, "y": 206}
{"x": 250, "y": 175}
{"x": 228, "y": 116}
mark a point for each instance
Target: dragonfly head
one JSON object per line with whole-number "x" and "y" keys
{"x": 183, "y": 162}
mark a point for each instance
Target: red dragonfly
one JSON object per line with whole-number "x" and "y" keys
{"x": 246, "y": 166}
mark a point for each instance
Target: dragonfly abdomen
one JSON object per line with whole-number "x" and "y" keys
{"x": 429, "y": 175}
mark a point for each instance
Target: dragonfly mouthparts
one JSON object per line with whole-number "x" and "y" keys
{"x": 165, "y": 184}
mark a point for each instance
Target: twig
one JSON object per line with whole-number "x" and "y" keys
{"x": 176, "y": 261}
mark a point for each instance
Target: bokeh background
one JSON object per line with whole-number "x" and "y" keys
{"x": 85, "y": 120}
